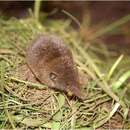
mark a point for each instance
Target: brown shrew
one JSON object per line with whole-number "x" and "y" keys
{"x": 52, "y": 63}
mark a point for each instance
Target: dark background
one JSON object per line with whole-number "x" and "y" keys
{"x": 100, "y": 12}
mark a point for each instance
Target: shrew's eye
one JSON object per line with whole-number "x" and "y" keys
{"x": 53, "y": 76}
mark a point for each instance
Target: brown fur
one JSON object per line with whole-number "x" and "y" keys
{"x": 52, "y": 63}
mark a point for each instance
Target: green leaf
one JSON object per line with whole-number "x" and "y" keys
{"x": 61, "y": 101}
{"x": 116, "y": 86}
{"x": 55, "y": 126}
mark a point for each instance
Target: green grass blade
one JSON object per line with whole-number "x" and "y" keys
{"x": 2, "y": 81}
{"x": 37, "y": 6}
{"x": 120, "y": 82}
{"x": 110, "y": 73}
{"x": 112, "y": 26}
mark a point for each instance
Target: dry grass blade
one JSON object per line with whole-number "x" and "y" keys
{"x": 45, "y": 108}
